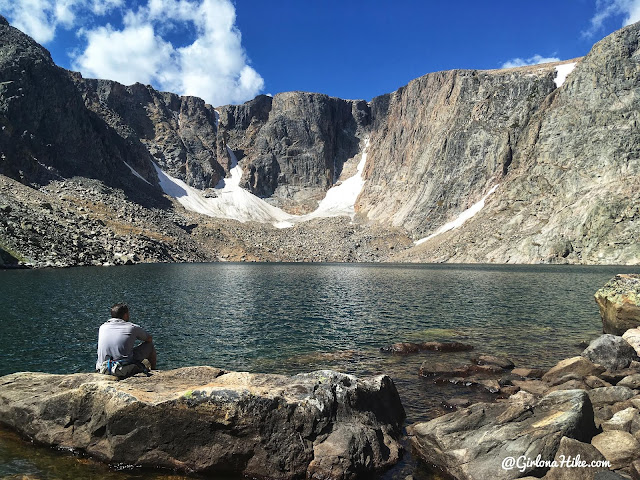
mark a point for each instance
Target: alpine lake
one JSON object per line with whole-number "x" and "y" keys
{"x": 292, "y": 318}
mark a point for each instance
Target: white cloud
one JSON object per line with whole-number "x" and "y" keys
{"x": 535, "y": 60}
{"x": 628, "y": 9}
{"x": 214, "y": 66}
{"x": 41, "y": 18}
{"x": 130, "y": 55}
{"x": 34, "y": 17}
{"x": 102, "y": 7}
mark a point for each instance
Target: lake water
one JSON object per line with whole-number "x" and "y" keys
{"x": 289, "y": 318}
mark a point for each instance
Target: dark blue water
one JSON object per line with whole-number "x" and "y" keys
{"x": 287, "y": 318}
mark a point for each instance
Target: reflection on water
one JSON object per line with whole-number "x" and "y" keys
{"x": 20, "y": 460}
{"x": 289, "y": 318}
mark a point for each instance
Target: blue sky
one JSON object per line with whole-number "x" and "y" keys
{"x": 228, "y": 52}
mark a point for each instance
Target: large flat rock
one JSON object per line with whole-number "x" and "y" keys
{"x": 202, "y": 419}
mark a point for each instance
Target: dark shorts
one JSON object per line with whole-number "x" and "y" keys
{"x": 142, "y": 351}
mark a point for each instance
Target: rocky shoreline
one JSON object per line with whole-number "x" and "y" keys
{"x": 585, "y": 407}
{"x": 588, "y": 405}
{"x": 578, "y": 419}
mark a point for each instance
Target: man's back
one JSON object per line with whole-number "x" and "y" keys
{"x": 116, "y": 339}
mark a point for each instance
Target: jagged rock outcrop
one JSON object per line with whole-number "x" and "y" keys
{"x": 196, "y": 419}
{"x": 293, "y": 146}
{"x": 178, "y": 133}
{"x": 46, "y": 131}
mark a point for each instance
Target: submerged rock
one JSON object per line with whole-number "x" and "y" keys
{"x": 409, "y": 347}
{"x": 326, "y": 424}
{"x": 619, "y": 303}
{"x": 497, "y": 360}
{"x": 442, "y": 369}
{"x": 473, "y": 442}
{"x": 456, "y": 403}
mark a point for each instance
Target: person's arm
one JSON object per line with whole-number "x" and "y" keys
{"x": 142, "y": 335}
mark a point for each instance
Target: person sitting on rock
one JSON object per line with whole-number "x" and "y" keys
{"x": 117, "y": 338}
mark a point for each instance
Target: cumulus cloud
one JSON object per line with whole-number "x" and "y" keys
{"x": 214, "y": 66}
{"x": 535, "y": 60}
{"x": 629, "y": 10}
{"x": 129, "y": 56}
{"x": 41, "y": 18}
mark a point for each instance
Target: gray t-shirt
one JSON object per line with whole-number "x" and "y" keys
{"x": 116, "y": 338}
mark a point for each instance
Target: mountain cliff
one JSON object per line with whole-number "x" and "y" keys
{"x": 542, "y": 171}
{"x": 572, "y": 191}
{"x": 447, "y": 137}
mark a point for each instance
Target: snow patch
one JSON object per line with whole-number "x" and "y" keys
{"x": 341, "y": 199}
{"x": 462, "y": 218}
{"x": 136, "y": 173}
{"x": 233, "y": 202}
{"x": 561, "y": 73}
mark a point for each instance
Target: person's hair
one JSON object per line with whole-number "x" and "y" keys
{"x": 119, "y": 310}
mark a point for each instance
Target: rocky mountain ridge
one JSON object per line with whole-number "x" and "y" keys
{"x": 562, "y": 163}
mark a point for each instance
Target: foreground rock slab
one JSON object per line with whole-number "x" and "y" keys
{"x": 472, "y": 443}
{"x": 322, "y": 424}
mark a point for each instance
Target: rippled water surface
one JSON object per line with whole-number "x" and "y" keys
{"x": 288, "y": 318}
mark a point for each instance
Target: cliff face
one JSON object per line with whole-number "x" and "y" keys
{"x": 444, "y": 140}
{"x": 46, "y": 130}
{"x": 565, "y": 159}
{"x": 293, "y": 146}
{"x": 571, "y": 194}
{"x": 178, "y": 133}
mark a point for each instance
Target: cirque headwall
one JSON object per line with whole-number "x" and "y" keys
{"x": 561, "y": 160}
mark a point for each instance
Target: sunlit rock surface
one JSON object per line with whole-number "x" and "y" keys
{"x": 200, "y": 419}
